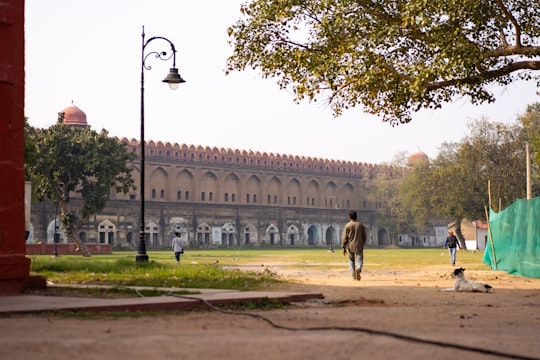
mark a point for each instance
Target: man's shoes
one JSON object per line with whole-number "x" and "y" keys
{"x": 358, "y": 276}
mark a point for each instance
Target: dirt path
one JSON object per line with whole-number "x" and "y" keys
{"x": 388, "y": 315}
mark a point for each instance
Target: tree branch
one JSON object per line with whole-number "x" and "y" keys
{"x": 488, "y": 75}
{"x": 513, "y": 20}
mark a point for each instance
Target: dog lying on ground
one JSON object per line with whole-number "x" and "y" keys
{"x": 462, "y": 284}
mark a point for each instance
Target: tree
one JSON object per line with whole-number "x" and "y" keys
{"x": 65, "y": 162}
{"x": 531, "y": 122}
{"x": 393, "y": 57}
{"x": 455, "y": 184}
{"x": 383, "y": 189}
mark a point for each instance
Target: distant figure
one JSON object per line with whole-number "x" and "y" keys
{"x": 352, "y": 241}
{"x": 452, "y": 243}
{"x": 177, "y": 246}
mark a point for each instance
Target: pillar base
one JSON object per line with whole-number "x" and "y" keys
{"x": 14, "y": 275}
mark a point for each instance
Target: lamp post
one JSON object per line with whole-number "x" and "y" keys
{"x": 174, "y": 80}
{"x": 332, "y": 207}
{"x": 56, "y": 235}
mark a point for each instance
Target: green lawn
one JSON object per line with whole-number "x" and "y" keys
{"x": 197, "y": 269}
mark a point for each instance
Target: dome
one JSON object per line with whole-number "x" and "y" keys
{"x": 418, "y": 158}
{"x": 74, "y": 116}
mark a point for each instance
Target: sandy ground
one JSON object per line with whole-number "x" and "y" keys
{"x": 386, "y": 315}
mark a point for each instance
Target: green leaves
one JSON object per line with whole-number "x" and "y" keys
{"x": 64, "y": 161}
{"x": 455, "y": 184}
{"x": 393, "y": 57}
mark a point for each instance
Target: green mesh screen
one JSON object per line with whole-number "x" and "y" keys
{"x": 515, "y": 232}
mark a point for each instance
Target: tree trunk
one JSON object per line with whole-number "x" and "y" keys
{"x": 71, "y": 231}
{"x": 459, "y": 234}
{"x": 80, "y": 245}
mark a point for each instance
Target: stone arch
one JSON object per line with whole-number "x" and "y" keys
{"x": 293, "y": 192}
{"x": 331, "y": 237}
{"x": 106, "y": 232}
{"x": 253, "y": 190}
{"x": 185, "y": 186}
{"x": 347, "y": 193}
{"x": 313, "y": 194}
{"x": 208, "y": 187}
{"x": 330, "y": 194}
{"x": 59, "y": 230}
{"x": 274, "y": 191}
{"x": 313, "y": 235}
{"x": 232, "y": 188}
{"x": 292, "y": 235}
{"x": 159, "y": 181}
{"x": 228, "y": 234}
{"x": 250, "y": 236}
{"x": 179, "y": 225}
{"x": 383, "y": 239}
{"x": 151, "y": 234}
{"x": 272, "y": 235}
{"x": 204, "y": 235}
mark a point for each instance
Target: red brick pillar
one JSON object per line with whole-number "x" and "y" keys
{"x": 14, "y": 265}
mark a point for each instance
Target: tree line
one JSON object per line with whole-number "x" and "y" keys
{"x": 487, "y": 168}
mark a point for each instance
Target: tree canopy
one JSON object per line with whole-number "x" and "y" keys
{"x": 393, "y": 57}
{"x": 455, "y": 184}
{"x": 63, "y": 161}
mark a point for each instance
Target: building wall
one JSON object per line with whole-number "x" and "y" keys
{"x": 218, "y": 197}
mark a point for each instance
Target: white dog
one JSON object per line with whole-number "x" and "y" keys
{"x": 462, "y": 284}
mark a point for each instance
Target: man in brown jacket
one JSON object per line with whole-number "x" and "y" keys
{"x": 352, "y": 241}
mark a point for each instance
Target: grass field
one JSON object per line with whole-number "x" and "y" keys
{"x": 198, "y": 269}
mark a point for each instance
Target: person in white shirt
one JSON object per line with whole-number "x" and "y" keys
{"x": 177, "y": 246}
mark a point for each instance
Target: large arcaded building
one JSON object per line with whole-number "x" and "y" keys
{"x": 227, "y": 197}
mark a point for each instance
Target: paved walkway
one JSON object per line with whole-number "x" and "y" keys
{"x": 199, "y": 299}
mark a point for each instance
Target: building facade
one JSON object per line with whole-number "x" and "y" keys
{"x": 217, "y": 197}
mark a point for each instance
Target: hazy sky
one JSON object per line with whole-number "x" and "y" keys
{"x": 89, "y": 52}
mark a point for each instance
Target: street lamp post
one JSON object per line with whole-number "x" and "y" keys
{"x": 332, "y": 207}
{"x": 174, "y": 80}
{"x": 56, "y": 235}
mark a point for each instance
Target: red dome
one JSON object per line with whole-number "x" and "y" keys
{"x": 418, "y": 158}
{"x": 74, "y": 116}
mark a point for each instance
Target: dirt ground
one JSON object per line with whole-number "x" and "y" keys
{"x": 386, "y": 315}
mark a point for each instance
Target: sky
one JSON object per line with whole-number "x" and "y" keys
{"x": 88, "y": 53}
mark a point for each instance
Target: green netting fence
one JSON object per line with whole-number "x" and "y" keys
{"x": 514, "y": 239}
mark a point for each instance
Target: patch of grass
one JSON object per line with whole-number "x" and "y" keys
{"x": 215, "y": 268}
{"x": 124, "y": 271}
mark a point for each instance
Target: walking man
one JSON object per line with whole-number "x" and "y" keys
{"x": 452, "y": 243}
{"x": 352, "y": 241}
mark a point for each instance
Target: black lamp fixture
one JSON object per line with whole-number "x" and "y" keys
{"x": 174, "y": 80}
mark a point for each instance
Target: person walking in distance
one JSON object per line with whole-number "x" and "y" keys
{"x": 177, "y": 246}
{"x": 352, "y": 241}
{"x": 452, "y": 243}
